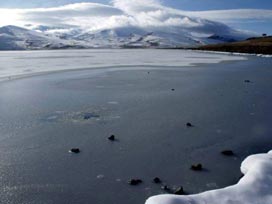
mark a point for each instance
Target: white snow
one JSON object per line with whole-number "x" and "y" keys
{"x": 254, "y": 188}
{"x": 21, "y": 63}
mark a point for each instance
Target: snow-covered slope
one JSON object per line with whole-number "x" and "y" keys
{"x": 17, "y": 38}
{"x": 253, "y": 188}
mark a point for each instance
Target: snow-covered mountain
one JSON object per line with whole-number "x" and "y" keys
{"x": 17, "y": 38}
{"x": 132, "y": 36}
{"x": 125, "y": 24}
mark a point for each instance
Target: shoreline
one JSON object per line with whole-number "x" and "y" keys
{"x": 233, "y": 53}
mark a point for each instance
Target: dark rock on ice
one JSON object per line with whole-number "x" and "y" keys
{"x": 197, "y": 167}
{"x": 189, "y": 125}
{"x": 227, "y": 152}
{"x": 75, "y": 150}
{"x": 157, "y": 180}
{"x": 135, "y": 182}
{"x": 179, "y": 191}
{"x": 111, "y": 138}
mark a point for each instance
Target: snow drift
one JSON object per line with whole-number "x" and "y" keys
{"x": 253, "y": 188}
{"x": 134, "y": 23}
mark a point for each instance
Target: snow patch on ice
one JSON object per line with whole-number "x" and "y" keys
{"x": 14, "y": 63}
{"x": 254, "y": 188}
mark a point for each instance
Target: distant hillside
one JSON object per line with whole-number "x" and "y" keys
{"x": 260, "y": 45}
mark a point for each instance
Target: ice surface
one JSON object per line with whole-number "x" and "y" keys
{"x": 21, "y": 63}
{"x": 253, "y": 188}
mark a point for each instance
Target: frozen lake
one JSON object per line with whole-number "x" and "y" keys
{"x": 143, "y": 97}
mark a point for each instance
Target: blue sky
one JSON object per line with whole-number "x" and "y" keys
{"x": 219, "y": 4}
{"x": 263, "y": 25}
{"x": 181, "y": 4}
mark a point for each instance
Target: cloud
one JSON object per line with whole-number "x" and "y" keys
{"x": 120, "y": 13}
{"x": 135, "y": 6}
{"x": 66, "y": 16}
{"x": 93, "y": 16}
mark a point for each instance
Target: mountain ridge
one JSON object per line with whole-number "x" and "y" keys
{"x": 18, "y": 38}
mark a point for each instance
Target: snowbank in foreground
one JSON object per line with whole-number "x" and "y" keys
{"x": 254, "y": 188}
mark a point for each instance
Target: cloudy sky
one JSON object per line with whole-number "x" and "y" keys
{"x": 253, "y": 15}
